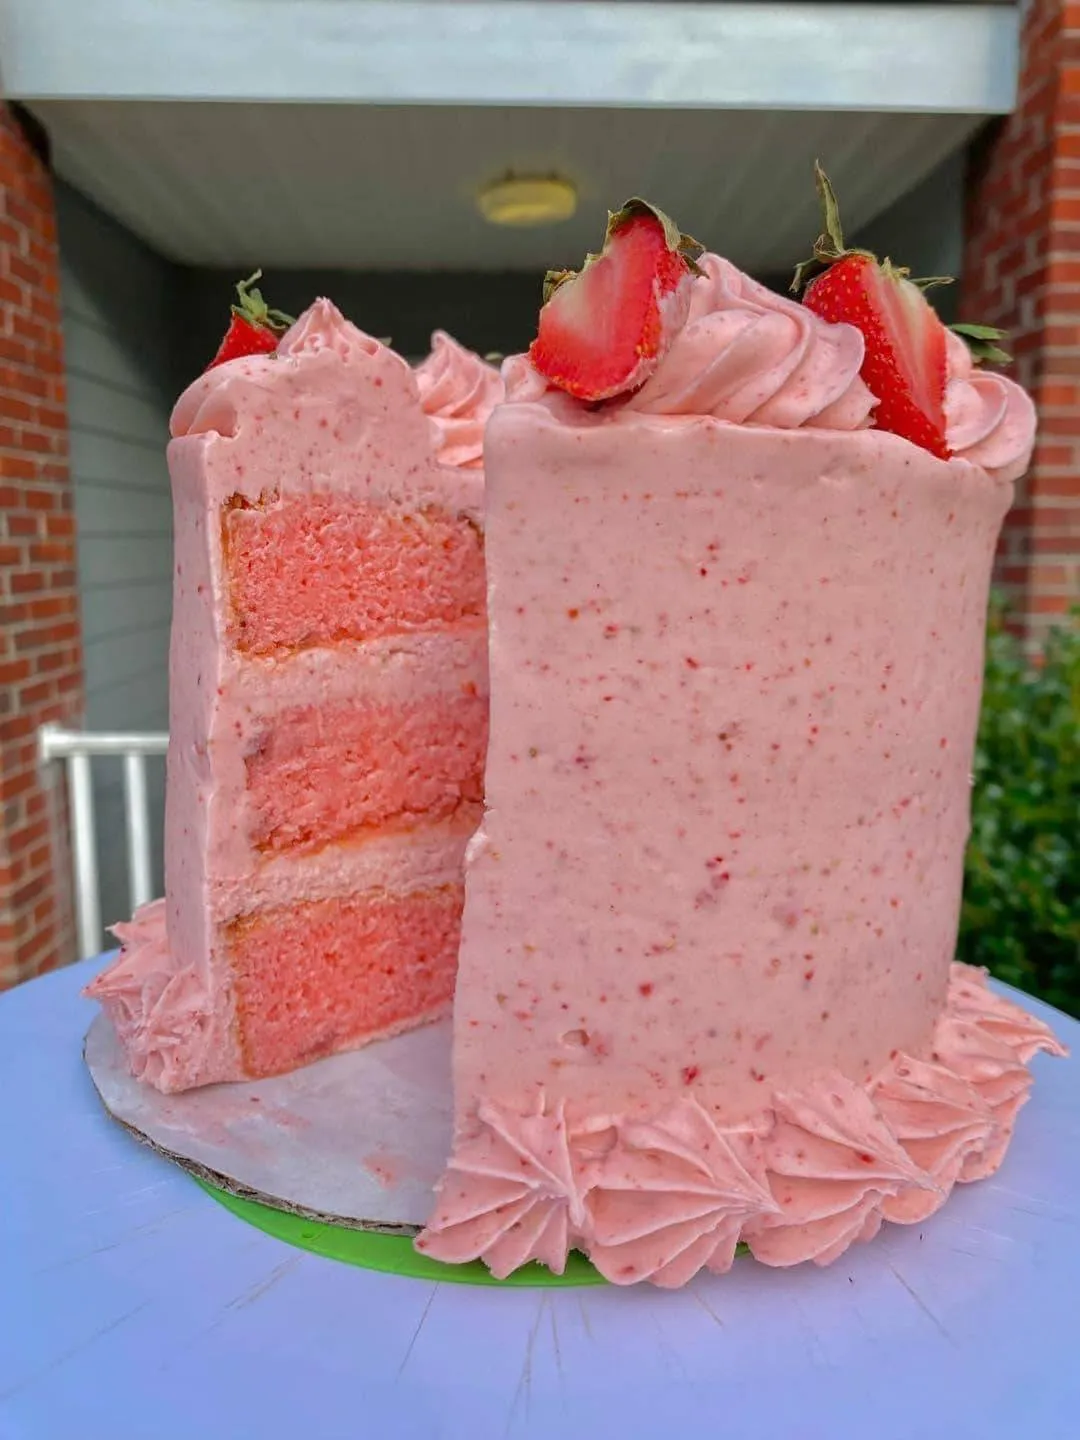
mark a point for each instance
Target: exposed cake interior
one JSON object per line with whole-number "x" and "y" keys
{"x": 321, "y": 569}
{"x": 328, "y": 974}
{"x": 323, "y": 774}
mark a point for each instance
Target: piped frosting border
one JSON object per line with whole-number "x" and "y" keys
{"x": 821, "y": 1168}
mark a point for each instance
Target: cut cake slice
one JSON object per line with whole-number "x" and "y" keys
{"x": 328, "y": 708}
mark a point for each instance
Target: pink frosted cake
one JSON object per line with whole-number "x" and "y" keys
{"x": 328, "y": 704}
{"x": 706, "y": 990}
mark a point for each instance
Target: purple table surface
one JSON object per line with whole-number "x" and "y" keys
{"x": 133, "y": 1307}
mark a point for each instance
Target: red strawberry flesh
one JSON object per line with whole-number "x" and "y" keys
{"x": 905, "y": 360}
{"x": 604, "y": 330}
{"x": 904, "y": 364}
{"x": 244, "y": 338}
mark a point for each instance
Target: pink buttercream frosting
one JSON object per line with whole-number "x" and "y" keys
{"x": 990, "y": 419}
{"x": 458, "y": 391}
{"x": 214, "y": 402}
{"x": 754, "y": 357}
{"x": 819, "y": 1168}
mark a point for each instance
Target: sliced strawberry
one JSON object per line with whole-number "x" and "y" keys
{"x": 604, "y": 330}
{"x": 905, "y": 360}
{"x": 253, "y": 328}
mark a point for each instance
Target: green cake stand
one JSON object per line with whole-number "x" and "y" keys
{"x": 392, "y": 1254}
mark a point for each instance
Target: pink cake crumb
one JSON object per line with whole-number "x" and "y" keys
{"x": 315, "y": 569}
{"x": 324, "y": 774}
{"x": 329, "y": 974}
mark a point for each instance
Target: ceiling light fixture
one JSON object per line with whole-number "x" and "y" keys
{"x": 523, "y": 200}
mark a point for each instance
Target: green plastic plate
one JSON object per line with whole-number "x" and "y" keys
{"x": 393, "y": 1254}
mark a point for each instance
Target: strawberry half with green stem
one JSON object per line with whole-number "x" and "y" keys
{"x": 254, "y": 329}
{"x": 905, "y": 360}
{"x": 604, "y": 329}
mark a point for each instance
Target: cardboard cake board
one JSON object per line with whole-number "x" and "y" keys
{"x": 358, "y": 1139}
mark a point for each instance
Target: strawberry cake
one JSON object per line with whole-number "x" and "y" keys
{"x": 739, "y": 550}
{"x": 328, "y": 702}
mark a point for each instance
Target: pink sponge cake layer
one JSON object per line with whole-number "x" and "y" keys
{"x": 318, "y": 977}
{"x": 328, "y": 708}
{"x": 326, "y": 772}
{"x": 321, "y": 569}
{"x": 706, "y": 990}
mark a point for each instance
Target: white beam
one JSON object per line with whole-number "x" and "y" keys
{"x": 958, "y": 58}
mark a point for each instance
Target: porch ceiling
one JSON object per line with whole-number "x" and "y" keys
{"x": 365, "y": 187}
{"x": 172, "y": 118}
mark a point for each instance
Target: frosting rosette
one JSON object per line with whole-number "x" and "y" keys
{"x": 752, "y": 357}
{"x": 216, "y": 399}
{"x": 323, "y": 327}
{"x": 161, "y": 1012}
{"x": 990, "y": 1041}
{"x": 673, "y": 1195}
{"x": 749, "y": 356}
{"x": 832, "y": 1159}
{"x": 511, "y": 1194}
{"x": 940, "y": 1119}
{"x": 458, "y": 392}
{"x": 745, "y": 355}
{"x": 990, "y": 420}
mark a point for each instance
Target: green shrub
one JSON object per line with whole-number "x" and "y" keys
{"x": 1021, "y": 910}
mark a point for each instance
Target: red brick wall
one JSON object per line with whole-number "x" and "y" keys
{"x": 40, "y": 642}
{"x": 1022, "y": 272}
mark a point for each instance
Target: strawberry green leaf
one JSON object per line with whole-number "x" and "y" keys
{"x": 829, "y": 246}
{"x": 254, "y": 310}
{"x": 978, "y": 332}
{"x": 982, "y": 342}
{"x": 830, "y": 209}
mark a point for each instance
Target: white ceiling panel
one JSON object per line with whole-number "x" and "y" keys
{"x": 393, "y": 187}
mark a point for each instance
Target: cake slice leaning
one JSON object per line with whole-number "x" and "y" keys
{"x": 706, "y": 990}
{"x": 328, "y": 708}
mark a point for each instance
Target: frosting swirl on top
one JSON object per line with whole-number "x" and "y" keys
{"x": 458, "y": 391}
{"x": 753, "y": 357}
{"x": 319, "y": 337}
{"x": 990, "y": 420}
{"x": 323, "y": 327}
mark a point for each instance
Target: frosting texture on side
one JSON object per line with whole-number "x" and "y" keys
{"x": 819, "y": 1168}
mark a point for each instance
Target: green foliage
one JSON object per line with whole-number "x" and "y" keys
{"x": 1021, "y": 910}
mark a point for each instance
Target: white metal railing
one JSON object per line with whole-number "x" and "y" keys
{"x": 77, "y": 749}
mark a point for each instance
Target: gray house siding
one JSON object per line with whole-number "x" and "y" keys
{"x": 119, "y": 309}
